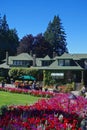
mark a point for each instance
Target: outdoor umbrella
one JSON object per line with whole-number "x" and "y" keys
{"x": 27, "y": 77}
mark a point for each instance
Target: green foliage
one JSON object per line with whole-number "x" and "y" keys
{"x": 25, "y": 44}
{"x": 52, "y": 82}
{"x": 47, "y": 78}
{"x": 3, "y": 109}
{"x": 56, "y": 36}
{"x": 4, "y": 25}
{"x": 2, "y": 78}
{"x": 13, "y": 72}
{"x": 16, "y": 72}
{"x": 69, "y": 87}
{"x": 9, "y": 40}
{"x": 41, "y": 47}
{"x": 37, "y": 45}
{"x": 3, "y": 73}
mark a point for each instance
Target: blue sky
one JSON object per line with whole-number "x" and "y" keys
{"x": 33, "y": 16}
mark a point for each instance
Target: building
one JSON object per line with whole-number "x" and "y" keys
{"x": 72, "y": 67}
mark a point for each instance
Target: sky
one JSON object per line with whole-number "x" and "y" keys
{"x": 33, "y": 16}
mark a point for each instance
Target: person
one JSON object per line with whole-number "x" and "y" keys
{"x": 83, "y": 90}
{"x": 86, "y": 95}
{"x": 84, "y": 124}
{"x": 34, "y": 85}
{"x": 60, "y": 118}
{"x": 3, "y": 83}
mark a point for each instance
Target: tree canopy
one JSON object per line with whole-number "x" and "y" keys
{"x": 25, "y": 44}
{"x": 53, "y": 40}
{"x": 56, "y": 36}
{"x": 37, "y": 45}
{"x": 9, "y": 40}
{"x": 41, "y": 47}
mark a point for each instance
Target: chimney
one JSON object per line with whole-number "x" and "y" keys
{"x": 54, "y": 54}
{"x": 34, "y": 60}
{"x": 31, "y": 54}
{"x": 7, "y": 57}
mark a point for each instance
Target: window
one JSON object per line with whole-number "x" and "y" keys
{"x": 14, "y": 62}
{"x": 45, "y": 63}
{"x": 20, "y": 62}
{"x": 61, "y": 63}
{"x": 67, "y": 62}
{"x": 64, "y": 63}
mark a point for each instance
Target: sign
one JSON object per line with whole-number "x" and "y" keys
{"x": 57, "y": 75}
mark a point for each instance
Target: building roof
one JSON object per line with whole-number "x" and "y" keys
{"x": 80, "y": 56}
{"x": 46, "y": 58}
{"x": 59, "y": 68}
{"x": 66, "y": 68}
{"x": 39, "y": 67}
{"x": 22, "y": 56}
{"x": 54, "y": 65}
{"x": 4, "y": 66}
{"x": 72, "y": 56}
{"x": 64, "y": 56}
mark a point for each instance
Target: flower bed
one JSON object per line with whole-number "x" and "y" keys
{"x": 60, "y": 112}
{"x": 31, "y": 92}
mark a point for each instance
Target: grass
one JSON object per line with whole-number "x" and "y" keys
{"x": 7, "y": 98}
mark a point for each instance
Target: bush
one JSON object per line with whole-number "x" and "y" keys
{"x": 2, "y": 78}
{"x": 68, "y": 88}
{"x": 3, "y": 109}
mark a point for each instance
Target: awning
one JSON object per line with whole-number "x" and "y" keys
{"x": 27, "y": 77}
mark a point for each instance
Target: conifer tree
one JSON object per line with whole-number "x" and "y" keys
{"x": 9, "y": 40}
{"x": 56, "y": 36}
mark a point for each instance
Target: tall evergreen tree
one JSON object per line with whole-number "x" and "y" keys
{"x": 4, "y": 24}
{"x": 56, "y": 36}
{"x": 9, "y": 40}
{"x": 13, "y": 41}
{"x": 0, "y": 21}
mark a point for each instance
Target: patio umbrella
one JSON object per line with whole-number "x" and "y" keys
{"x": 27, "y": 77}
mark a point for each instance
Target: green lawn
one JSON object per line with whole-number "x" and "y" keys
{"x": 7, "y": 98}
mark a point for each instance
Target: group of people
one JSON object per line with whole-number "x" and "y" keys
{"x": 32, "y": 86}
{"x": 36, "y": 86}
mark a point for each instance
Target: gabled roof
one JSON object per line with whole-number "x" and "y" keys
{"x": 22, "y": 56}
{"x": 54, "y": 65}
{"x": 71, "y": 56}
{"x": 64, "y": 56}
{"x": 4, "y": 66}
{"x": 46, "y": 58}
